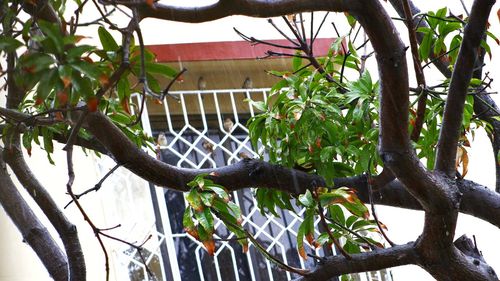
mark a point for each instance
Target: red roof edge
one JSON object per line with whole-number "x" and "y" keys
{"x": 228, "y": 50}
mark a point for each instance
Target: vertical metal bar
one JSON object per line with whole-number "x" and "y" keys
{"x": 169, "y": 265}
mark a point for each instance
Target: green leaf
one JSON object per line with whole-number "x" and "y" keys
{"x": 337, "y": 214}
{"x": 194, "y": 199}
{"x": 87, "y": 69}
{"x": 47, "y": 83}
{"x": 120, "y": 118}
{"x": 306, "y": 199}
{"x": 350, "y": 19}
{"x": 107, "y": 41}
{"x": 27, "y": 138}
{"x": 187, "y": 219}
{"x": 37, "y": 61}
{"x": 207, "y": 198}
{"x": 235, "y": 209}
{"x": 162, "y": 69}
{"x": 350, "y": 221}
{"x": 260, "y": 105}
{"x": 9, "y": 44}
{"x": 300, "y": 241}
{"x": 123, "y": 88}
{"x": 47, "y": 143}
{"x": 352, "y": 248}
{"x": 78, "y": 51}
{"x": 81, "y": 86}
{"x": 53, "y": 32}
{"x": 206, "y": 219}
{"x": 219, "y": 190}
{"x": 323, "y": 238}
{"x": 447, "y": 28}
{"x": 425, "y": 46}
{"x": 297, "y": 61}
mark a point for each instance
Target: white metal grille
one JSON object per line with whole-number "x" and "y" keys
{"x": 195, "y": 120}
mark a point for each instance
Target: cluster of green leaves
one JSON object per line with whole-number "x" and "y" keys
{"x": 118, "y": 105}
{"x": 308, "y": 125}
{"x": 56, "y": 72}
{"x": 437, "y": 42}
{"x": 352, "y": 230}
{"x": 436, "y": 37}
{"x": 208, "y": 200}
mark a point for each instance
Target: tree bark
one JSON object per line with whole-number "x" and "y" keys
{"x": 32, "y": 230}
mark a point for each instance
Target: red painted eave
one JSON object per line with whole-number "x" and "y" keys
{"x": 229, "y": 50}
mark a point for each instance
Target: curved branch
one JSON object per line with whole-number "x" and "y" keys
{"x": 32, "y": 230}
{"x": 66, "y": 230}
{"x": 460, "y": 79}
{"x": 477, "y": 200}
{"x": 370, "y": 261}
{"x": 244, "y": 174}
{"x": 224, "y": 8}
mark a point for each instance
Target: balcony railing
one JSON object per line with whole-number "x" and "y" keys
{"x": 204, "y": 129}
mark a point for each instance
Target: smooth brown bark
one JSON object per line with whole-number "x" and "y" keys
{"x": 66, "y": 230}
{"x": 33, "y": 231}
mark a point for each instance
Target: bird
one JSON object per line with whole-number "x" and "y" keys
{"x": 244, "y": 155}
{"x": 162, "y": 140}
{"x": 208, "y": 146}
{"x": 202, "y": 84}
{"x": 228, "y": 125}
{"x": 247, "y": 84}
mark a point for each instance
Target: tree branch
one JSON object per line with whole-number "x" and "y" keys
{"x": 460, "y": 79}
{"x": 32, "y": 230}
{"x": 66, "y": 230}
{"x": 419, "y": 72}
{"x": 369, "y": 261}
{"x": 224, "y": 8}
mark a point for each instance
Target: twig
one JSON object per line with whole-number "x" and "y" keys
{"x": 104, "y": 17}
{"x": 374, "y": 213}
{"x": 96, "y": 21}
{"x": 97, "y": 231}
{"x": 320, "y": 26}
{"x": 263, "y": 250}
{"x": 439, "y": 57}
{"x": 330, "y": 234}
{"x": 419, "y": 73}
{"x": 255, "y": 41}
{"x": 167, "y": 89}
{"x": 465, "y": 8}
{"x": 372, "y": 246}
{"x": 302, "y": 27}
{"x": 97, "y": 186}
{"x": 271, "y": 22}
{"x": 311, "y": 30}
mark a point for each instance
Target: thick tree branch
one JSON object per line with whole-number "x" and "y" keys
{"x": 224, "y": 8}
{"x": 66, "y": 230}
{"x": 370, "y": 261}
{"x": 32, "y": 230}
{"x": 460, "y": 79}
{"x": 477, "y": 200}
{"x": 74, "y": 263}
{"x": 244, "y": 174}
